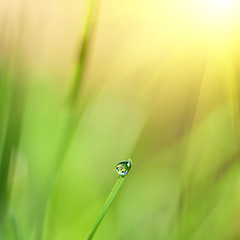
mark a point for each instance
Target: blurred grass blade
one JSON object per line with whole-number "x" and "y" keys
{"x": 10, "y": 139}
{"x": 72, "y": 120}
{"x": 84, "y": 48}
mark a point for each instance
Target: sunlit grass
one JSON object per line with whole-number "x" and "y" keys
{"x": 159, "y": 82}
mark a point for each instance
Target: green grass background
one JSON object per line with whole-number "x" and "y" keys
{"x": 160, "y": 85}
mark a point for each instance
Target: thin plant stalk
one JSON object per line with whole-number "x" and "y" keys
{"x": 122, "y": 169}
{"x": 106, "y": 206}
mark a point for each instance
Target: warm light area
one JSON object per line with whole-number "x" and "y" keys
{"x": 222, "y": 4}
{"x": 220, "y": 16}
{"x": 221, "y": 9}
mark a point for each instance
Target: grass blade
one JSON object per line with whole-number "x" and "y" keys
{"x": 122, "y": 169}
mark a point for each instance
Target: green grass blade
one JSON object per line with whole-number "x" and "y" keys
{"x": 84, "y": 48}
{"x": 122, "y": 169}
{"x": 106, "y": 206}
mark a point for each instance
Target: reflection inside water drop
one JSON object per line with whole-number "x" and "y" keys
{"x": 123, "y": 167}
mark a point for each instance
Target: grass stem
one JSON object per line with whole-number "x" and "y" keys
{"x": 122, "y": 169}
{"x": 106, "y": 205}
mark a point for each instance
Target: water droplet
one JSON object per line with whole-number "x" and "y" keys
{"x": 123, "y": 167}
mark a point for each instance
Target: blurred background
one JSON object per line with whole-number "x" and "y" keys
{"x": 87, "y": 83}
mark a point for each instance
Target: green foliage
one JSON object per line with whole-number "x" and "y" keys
{"x": 176, "y": 114}
{"x": 126, "y": 165}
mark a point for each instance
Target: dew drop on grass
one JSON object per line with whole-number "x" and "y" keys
{"x": 123, "y": 167}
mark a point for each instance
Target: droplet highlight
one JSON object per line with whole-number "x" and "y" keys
{"x": 123, "y": 167}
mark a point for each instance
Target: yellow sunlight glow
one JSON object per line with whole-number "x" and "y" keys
{"x": 221, "y": 9}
